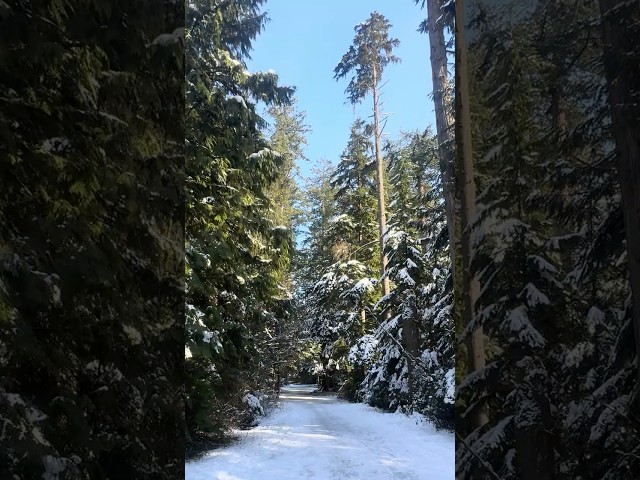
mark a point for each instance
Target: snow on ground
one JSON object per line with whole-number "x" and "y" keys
{"x": 318, "y": 437}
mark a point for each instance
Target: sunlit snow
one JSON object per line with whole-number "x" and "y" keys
{"x": 318, "y": 437}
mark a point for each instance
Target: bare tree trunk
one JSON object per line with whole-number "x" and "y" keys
{"x": 444, "y": 121}
{"x": 464, "y": 150}
{"x": 382, "y": 217}
{"x": 559, "y": 116}
{"x": 277, "y": 381}
{"x": 411, "y": 336}
{"x": 422, "y": 189}
{"x": 535, "y": 457}
{"x": 620, "y": 28}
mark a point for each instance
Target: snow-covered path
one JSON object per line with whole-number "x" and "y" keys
{"x": 322, "y": 438}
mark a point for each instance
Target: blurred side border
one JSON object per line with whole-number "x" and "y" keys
{"x": 92, "y": 239}
{"x": 548, "y": 183}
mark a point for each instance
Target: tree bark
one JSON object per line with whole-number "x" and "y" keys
{"x": 620, "y": 27}
{"x": 411, "y": 335}
{"x": 535, "y": 457}
{"x": 464, "y": 151}
{"x": 560, "y": 124}
{"x": 382, "y": 217}
{"x": 422, "y": 190}
{"x": 444, "y": 121}
{"x": 277, "y": 383}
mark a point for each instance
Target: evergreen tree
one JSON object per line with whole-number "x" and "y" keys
{"x": 549, "y": 251}
{"x": 288, "y": 138}
{"x": 620, "y": 25}
{"x": 236, "y": 253}
{"x": 371, "y": 52}
{"x": 411, "y": 359}
{"x": 334, "y": 319}
{"x": 394, "y": 351}
{"x": 315, "y": 254}
{"x": 469, "y": 289}
{"x": 355, "y": 197}
{"x": 341, "y": 258}
{"x": 91, "y": 267}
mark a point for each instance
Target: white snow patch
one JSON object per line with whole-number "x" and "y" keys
{"x": 364, "y": 285}
{"x": 132, "y": 334}
{"x": 254, "y": 403}
{"x": 517, "y": 321}
{"x": 450, "y": 382}
{"x": 405, "y": 277}
{"x": 169, "y": 38}
{"x": 340, "y": 218}
{"x": 53, "y": 467}
{"x": 54, "y": 145}
{"x": 534, "y": 296}
{"x": 239, "y": 99}
{"x": 363, "y": 350}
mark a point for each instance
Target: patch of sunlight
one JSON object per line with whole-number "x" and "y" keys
{"x": 296, "y": 397}
{"x": 316, "y": 435}
{"x": 226, "y": 476}
{"x": 289, "y": 443}
{"x": 393, "y": 462}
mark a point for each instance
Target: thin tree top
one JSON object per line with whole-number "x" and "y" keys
{"x": 371, "y": 48}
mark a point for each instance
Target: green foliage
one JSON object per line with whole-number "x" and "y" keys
{"x": 319, "y": 208}
{"x": 353, "y": 181}
{"x": 334, "y": 306}
{"x": 238, "y": 310}
{"x": 370, "y": 53}
{"x": 91, "y": 142}
{"x": 412, "y": 364}
{"x": 288, "y": 139}
{"x": 364, "y": 355}
{"x": 340, "y": 258}
{"x": 547, "y": 239}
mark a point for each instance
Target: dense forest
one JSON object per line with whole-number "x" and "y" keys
{"x": 481, "y": 274}
{"x": 343, "y": 279}
{"x": 237, "y": 254}
{"x": 91, "y": 243}
{"x": 494, "y": 252}
{"x": 547, "y": 142}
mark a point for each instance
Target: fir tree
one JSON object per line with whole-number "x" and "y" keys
{"x": 92, "y": 240}
{"x": 236, "y": 254}
{"x": 371, "y": 52}
{"x": 548, "y": 249}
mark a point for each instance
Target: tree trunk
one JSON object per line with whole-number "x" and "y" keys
{"x": 277, "y": 383}
{"x": 620, "y": 28}
{"x": 464, "y": 151}
{"x": 382, "y": 217}
{"x": 422, "y": 190}
{"x": 444, "y": 121}
{"x": 559, "y": 116}
{"x": 535, "y": 457}
{"x": 411, "y": 335}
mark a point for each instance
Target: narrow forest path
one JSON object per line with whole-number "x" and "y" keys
{"x": 318, "y": 437}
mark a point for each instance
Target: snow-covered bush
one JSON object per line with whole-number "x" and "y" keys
{"x": 254, "y": 408}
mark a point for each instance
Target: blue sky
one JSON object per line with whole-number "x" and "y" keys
{"x": 305, "y": 40}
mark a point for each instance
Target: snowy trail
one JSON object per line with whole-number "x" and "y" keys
{"x": 322, "y": 438}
